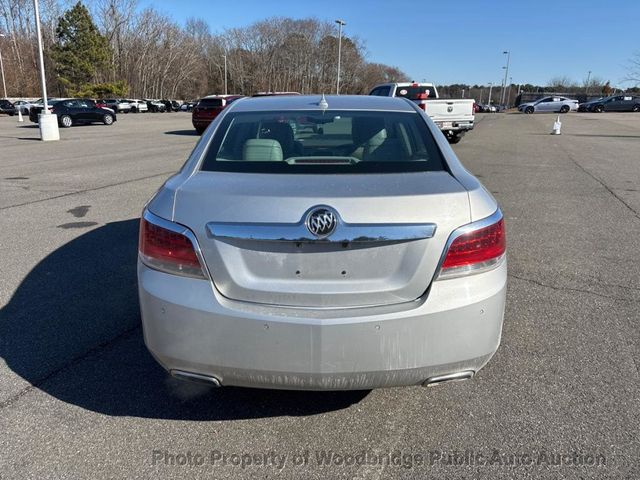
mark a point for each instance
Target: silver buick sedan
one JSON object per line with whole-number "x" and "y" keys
{"x": 322, "y": 243}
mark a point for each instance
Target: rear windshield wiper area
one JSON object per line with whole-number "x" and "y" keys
{"x": 320, "y": 160}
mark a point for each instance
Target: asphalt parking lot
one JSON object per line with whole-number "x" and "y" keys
{"x": 80, "y": 397}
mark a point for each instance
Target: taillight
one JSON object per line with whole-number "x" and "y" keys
{"x": 475, "y": 250}
{"x": 169, "y": 250}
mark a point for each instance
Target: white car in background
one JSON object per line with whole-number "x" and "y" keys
{"x": 138, "y": 106}
{"x": 550, "y": 104}
{"x": 24, "y": 106}
{"x": 118, "y": 105}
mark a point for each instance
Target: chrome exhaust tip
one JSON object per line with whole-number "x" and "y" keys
{"x": 450, "y": 377}
{"x": 196, "y": 377}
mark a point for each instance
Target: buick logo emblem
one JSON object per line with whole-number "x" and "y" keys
{"x": 321, "y": 222}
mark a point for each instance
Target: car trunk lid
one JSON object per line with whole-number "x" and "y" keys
{"x": 232, "y": 214}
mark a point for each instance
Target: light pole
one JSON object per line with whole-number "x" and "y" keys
{"x": 225, "y": 74}
{"x": 490, "y": 87}
{"x": 586, "y": 92}
{"x": 341, "y": 24}
{"x": 509, "y": 92}
{"x": 4, "y": 85}
{"x": 506, "y": 74}
{"x": 48, "y": 122}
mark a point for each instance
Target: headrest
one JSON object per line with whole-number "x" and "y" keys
{"x": 262, "y": 150}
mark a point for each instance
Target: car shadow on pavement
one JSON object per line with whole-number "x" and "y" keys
{"x": 187, "y": 133}
{"x": 72, "y": 329}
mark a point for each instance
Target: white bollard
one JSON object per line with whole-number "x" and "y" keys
{"x": 48, "y": 127}
{"x": 557, "y": 125}
{"x": 20, "y": 119}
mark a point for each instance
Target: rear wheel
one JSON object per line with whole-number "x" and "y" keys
{"x": 636, "y": 108}
{"x": 529, "y": 110}
{"x": 564, "y": 109}
{"x": 107, "y": 119}
{"x": 66, "y": 121}
{"x": 598, "y": 109}
{"x": 454, "y": 138}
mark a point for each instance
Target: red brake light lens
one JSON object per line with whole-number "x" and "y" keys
{"x": 476, "y": 250}
{"x": 168, "y": 251}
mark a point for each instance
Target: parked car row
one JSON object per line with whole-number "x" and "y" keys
{"x": 615, "y": 103}
{"x": 117, "y": 105}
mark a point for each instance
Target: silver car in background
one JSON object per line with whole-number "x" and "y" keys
{"x": 550, "y": 104}
{"x": 312, "y": 243}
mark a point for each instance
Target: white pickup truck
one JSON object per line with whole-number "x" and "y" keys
{"x": 454, "y": 116}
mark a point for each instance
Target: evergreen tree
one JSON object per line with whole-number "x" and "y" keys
{"x": 81, "y": 54}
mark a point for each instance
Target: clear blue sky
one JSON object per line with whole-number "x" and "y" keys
{"x": 460, "y": 42}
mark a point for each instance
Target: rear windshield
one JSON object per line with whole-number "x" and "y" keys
{"x": 323, "y": 142}
{"x": 210, "y": 102}
{"x": 413, "y": 93}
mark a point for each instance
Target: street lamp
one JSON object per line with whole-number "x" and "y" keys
{"x": 506, "y": 74}
{"x": 48, "y": 122}
{"x": 4, "y": 85}
{"x": 509, "y": 92}
{"x": 586, "y": 91}
{"x": 490, "y": 87}
{"x": 225, "y": 74}
{"x": 341, "y": 24}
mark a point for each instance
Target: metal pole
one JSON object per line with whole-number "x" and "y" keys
{"x": 509, "y": 92}
{"x": 586, "y": 92}
{"x": 506, "y": 73}
{"x": 340, "y": 25}
{"x": 4, "y": 85}
{"x": 225, "y": 74}
{"x": 47, "y": 121}
{"x": 490, "y": 87}
{"x": 43, "y": 82}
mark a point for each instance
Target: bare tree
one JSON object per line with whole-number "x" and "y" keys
{"x": 158, "y": 58}
{"x": 633, "y": 74}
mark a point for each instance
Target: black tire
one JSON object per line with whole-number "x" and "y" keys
{"x": 564, "y": 109}
{"x": 598, "y": 109}
{"x": 107, "y": 119}
{"x": 134, "y": 110}
{"x": 529, "y": 110}
{"x": 636, "y": 108}
{"x": 455, "y": 138}
{"x": 200, "y": 131}
{"x": 66, "y": 121}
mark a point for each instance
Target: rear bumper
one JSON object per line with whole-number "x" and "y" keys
{"x": 190, "y": 327}
{"x": 455, "y": 126}
{"x": 201, "y": 122}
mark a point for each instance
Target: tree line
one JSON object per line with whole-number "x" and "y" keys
{"x": 110, "y": 47}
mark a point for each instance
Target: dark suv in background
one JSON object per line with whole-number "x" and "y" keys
{"x": 7, "y": 107}
{"x": 208, "y": 108}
